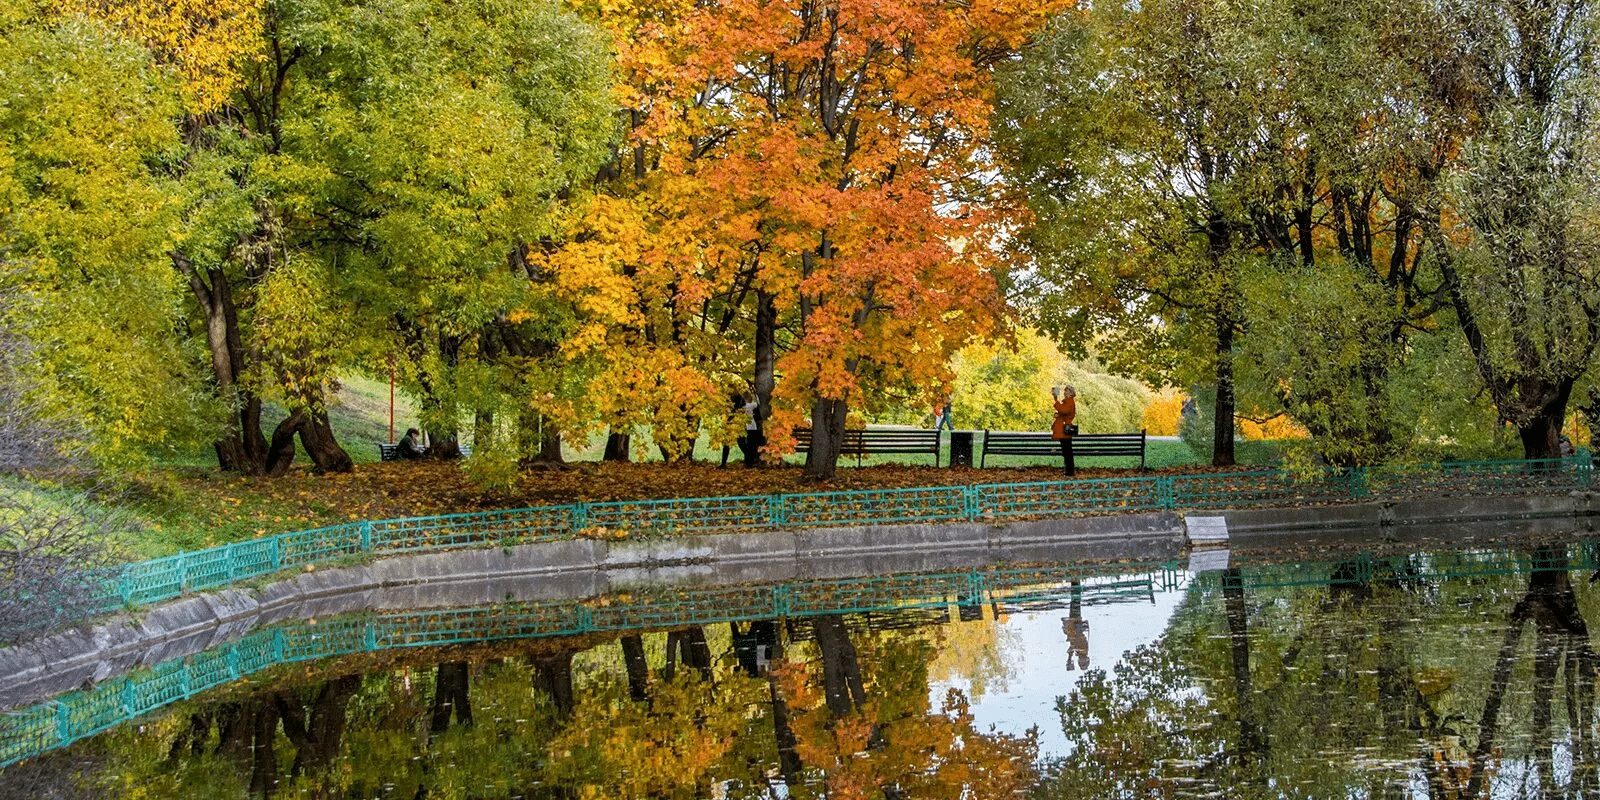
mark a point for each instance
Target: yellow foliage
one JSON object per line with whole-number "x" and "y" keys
{"x": 1279, "y": 427}
{"x": 1162, "y": 414}
{"x": 208, "y": 41}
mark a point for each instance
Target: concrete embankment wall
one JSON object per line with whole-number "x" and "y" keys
{"x": 577, "y": 569}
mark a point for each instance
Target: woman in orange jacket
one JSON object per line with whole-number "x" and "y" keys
{"x": 1062, "y": 428}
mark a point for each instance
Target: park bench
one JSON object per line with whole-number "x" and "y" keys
{"x": 1039, "y": 443}
{"x": 872, "y": 441}
{"x": 391, "y": 452}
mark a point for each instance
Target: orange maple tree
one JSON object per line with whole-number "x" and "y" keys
{"x": 808, "y": 202}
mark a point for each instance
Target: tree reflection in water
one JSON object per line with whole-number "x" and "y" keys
{"x": 1364, "y": 678}
{"x": 816, "y": 708}
{"x": 1376, "y": 684}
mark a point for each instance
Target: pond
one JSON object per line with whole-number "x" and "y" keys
{"x": 1370, "y": 672}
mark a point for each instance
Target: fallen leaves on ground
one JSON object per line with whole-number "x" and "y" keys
{"x": 397, "y": 489}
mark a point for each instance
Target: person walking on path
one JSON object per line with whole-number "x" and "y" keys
{"x": 1062, "y": 429}
{"x": 941, "y": 413}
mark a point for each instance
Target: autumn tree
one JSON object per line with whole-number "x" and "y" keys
{"x": 1133, "y": 133}
{"x": 808, "y": 203}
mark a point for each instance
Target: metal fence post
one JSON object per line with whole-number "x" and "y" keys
{"x": 580, "y": 516}
{"x": 1357, "y": 480}
{"x": 1165, "y": 493}
{"x": 366, "y": 536}
{"x": 273, "y": 556}
{"x": 775, "y": 510}
{"x": 782, "y": 603}
{"x": 971, "y": 501}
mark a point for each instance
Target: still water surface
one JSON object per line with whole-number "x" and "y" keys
{"x": 1467, "y": 673}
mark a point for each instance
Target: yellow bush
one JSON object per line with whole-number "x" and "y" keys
{"x": 1162, "y": 413}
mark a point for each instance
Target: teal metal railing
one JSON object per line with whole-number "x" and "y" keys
{"x": 167, "y": 578}
{"x": 26, "y": 732}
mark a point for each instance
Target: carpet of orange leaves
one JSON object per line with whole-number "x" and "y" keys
{"x": 424, "y": 488}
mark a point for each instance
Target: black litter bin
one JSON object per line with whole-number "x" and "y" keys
{"x": 961, "y": 448}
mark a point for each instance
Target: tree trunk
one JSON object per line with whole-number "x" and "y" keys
{"x": 827, "y": 438}
{"x": 242, "y": 449}
{"x": 696, "y": 652}
{"x": 789, "y": 764}
{"x": 263, "y": 753}
{"x": 1252, "y": 744}
{"x": 1541, "y": 435}
{"x": 281, "y": 454}
{"x": 638, "y": 668}
{"x": 1222, "y": 452}
{"x": 766, "y": 353}
{"x": 553, "y": 674}
{"x": 316, "y": 436}
{"x": 317, "y": 739}
{"x": 550, "y": 445}
{"x": 617, "y": 447}
{"x": 841, "y": 672}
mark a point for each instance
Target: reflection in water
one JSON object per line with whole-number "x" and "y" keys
{"x": 1385, "y": 678}
{"x": 1454, "y": 675}
{"x": 1077, "y": 630}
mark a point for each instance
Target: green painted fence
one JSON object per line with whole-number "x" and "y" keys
{"x": 167, "y": 578}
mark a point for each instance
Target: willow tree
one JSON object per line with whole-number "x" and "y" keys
{"x": 1513, "y": 226}
{"x": 1213, "y": 182}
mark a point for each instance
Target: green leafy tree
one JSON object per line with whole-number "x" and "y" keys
{"x": 1513, "y": 226}
{"x": 83, "y": 229}
{"x": 367, "y": 197}
{"x": 1211, "y": 182}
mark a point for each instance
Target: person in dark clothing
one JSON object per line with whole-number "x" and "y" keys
{"x": 736, "y": 405}
{"x": 411, "y": 444}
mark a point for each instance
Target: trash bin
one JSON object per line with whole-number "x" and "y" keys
{"x": 960, "y": 448}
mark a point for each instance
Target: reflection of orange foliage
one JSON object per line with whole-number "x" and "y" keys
{"x": 1279, "y": 427}
{"x": 1161, "y": 416}
{"x": 896, "y": 738}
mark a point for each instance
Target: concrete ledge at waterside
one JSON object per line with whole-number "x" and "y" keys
{"x": 1301, "y": 521}
{"x": 1479, "y": 507}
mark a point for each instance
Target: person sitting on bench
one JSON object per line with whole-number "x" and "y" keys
{"x": 411, "y": 446}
